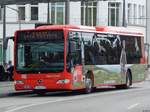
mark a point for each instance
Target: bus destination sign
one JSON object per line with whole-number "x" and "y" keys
{"x": 39, "y": 35}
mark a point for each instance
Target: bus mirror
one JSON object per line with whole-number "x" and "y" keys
{"x": 11, "y": 38}
{"x": 6, "y": 41}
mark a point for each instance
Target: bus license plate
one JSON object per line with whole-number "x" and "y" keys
{"x": 40, "y": 87}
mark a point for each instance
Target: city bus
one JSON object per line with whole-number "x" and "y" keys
{"x": 70, "y": 57}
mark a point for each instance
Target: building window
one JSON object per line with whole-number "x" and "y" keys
{"x": 129, "y": 14}
{"x": 34, "y": 12}
{"x": 113, "y": 14}
{"x": 58, "y": 13}
{"x": 135, "y": 14}
{"x": 88, "y": 13}
{"x": 143, "y": 15}
{"x": 21, "y": 14}
{"x": 140, "y": 15}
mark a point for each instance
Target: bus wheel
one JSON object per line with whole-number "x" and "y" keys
{"x": 88, "y": 85}
{"x": 128, "y": 82}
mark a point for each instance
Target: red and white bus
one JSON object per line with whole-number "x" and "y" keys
{"x": 67, "y": 57}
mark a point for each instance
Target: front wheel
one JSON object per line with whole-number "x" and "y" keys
{"x": 88, "y": 85}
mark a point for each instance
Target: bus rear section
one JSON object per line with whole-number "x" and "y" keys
{"x": 40, "y": 61}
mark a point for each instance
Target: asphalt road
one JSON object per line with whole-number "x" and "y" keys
{"x": 135, "y": 99}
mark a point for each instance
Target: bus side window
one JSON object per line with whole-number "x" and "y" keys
{"x": 89, "y": 57}
{"x": 75, "y": 51}
{"x": 133, "y": 49}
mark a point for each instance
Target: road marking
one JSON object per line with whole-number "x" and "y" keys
{"x": 133, "y": 106}
{"x": 12, "y": 107}
{"x": 34, "y": 104}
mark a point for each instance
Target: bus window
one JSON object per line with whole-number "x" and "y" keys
{"x": 89, "y": 56}
{"x": 133, "y": 49}
{"x": 102, "y": 49}
{"x": 88, "y": 48}
{"x": 74, "y": 53}
{"x": 99, "y": 50}
{"x": 40, "y": 51}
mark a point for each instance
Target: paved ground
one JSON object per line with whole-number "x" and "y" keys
{"x": 135, "y": 99}
{"x": 6, "y": 83}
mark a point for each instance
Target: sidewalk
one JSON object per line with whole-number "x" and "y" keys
{"x": 6, "y": 83}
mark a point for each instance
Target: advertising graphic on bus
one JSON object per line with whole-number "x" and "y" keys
{"x": 71, "y": 57}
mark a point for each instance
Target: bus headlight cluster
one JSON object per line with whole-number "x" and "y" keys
{"x": 19, "y": 82}
{"x": 64, "y": 81}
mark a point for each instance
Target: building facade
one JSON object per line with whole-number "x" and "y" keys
{"x": 108, "y": 13}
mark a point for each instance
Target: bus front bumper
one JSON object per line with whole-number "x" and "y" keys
{"x": 64, "y": 84}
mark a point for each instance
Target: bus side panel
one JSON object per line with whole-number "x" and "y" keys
{"x": 107, "y": 75}
{"x": 77, "y": 78}
{"x": 138, "y": 72}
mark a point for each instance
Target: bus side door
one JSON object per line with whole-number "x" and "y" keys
{"x": 76, "y": 59}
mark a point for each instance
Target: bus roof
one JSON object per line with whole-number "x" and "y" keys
{"x": 102, "y": 29}
{"x": 66, "y": 26}
{"x": 118, "y": 30}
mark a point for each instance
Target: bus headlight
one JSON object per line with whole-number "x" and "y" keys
{"x": 64, "y": 81}
{"x": 19, "y": 82}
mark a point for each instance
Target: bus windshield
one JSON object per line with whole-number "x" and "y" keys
{"x": 40, "y": 54}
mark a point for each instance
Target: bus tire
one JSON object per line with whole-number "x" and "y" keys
{"x": 88, "y": 85}
{"x": 128, "y": 82}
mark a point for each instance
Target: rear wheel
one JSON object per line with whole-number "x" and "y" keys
{"x": 128, "y": 82}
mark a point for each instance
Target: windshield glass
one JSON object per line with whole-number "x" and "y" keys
{"x": 40, "y": 54}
